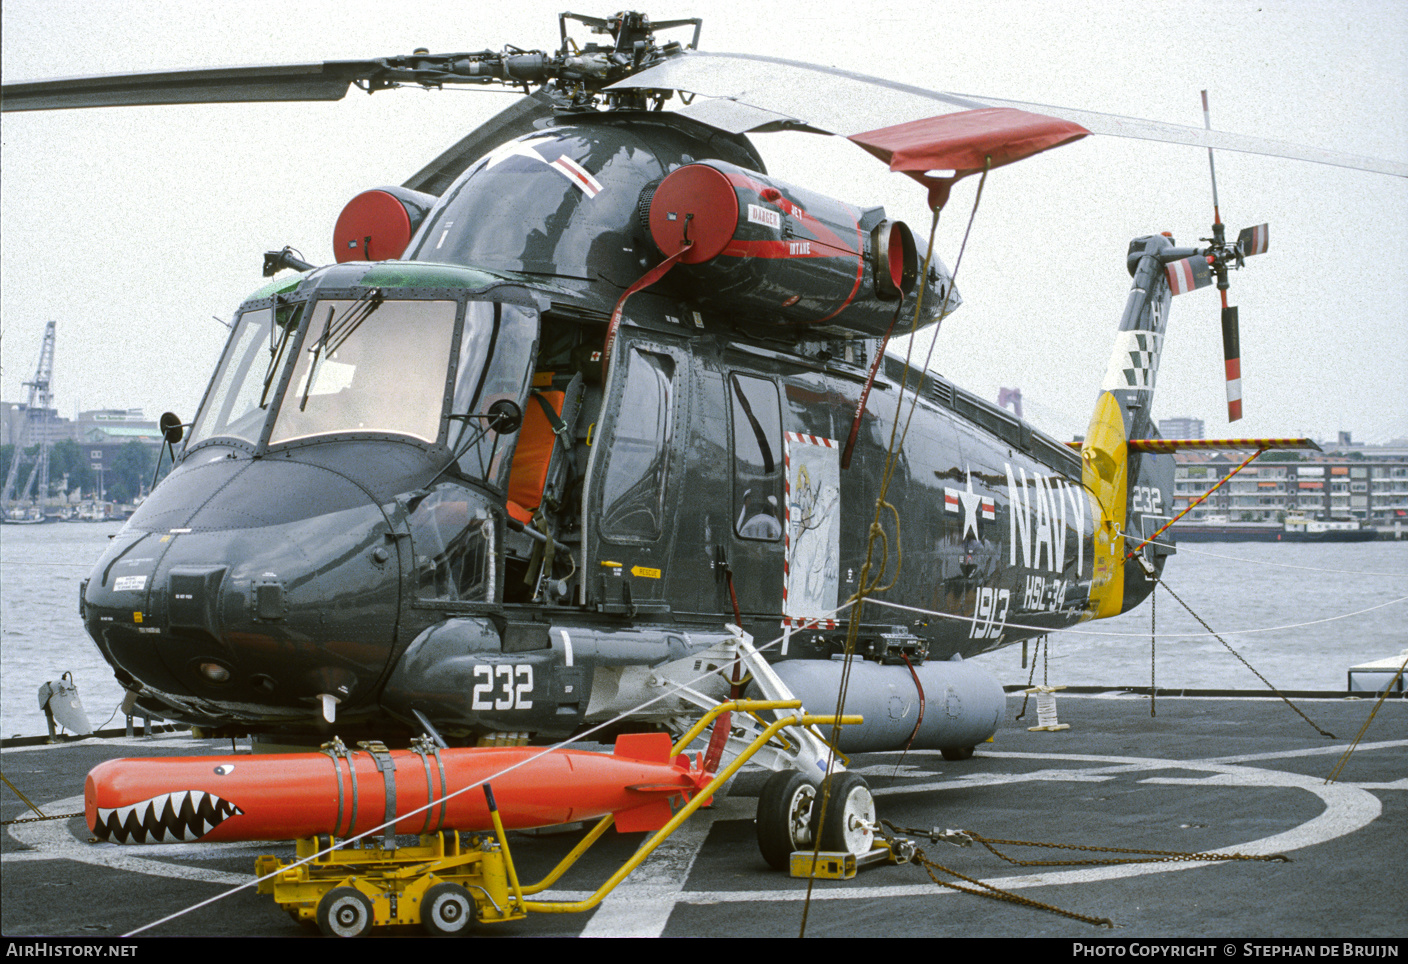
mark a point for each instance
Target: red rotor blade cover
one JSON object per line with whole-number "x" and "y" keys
{"x": 965, "y": 143}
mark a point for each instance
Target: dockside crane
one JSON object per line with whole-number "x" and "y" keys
{"x": 41, "y": 399}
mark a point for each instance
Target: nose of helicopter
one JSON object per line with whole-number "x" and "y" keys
{"x": 275, "y": 601}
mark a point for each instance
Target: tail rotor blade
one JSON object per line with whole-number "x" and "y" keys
{"x": 1252, "y": 240}
{"x": 1232, "y": 356}
{"x": 1188, "y": 275}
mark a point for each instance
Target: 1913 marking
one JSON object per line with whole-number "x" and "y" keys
{"x": 990, "y": 613}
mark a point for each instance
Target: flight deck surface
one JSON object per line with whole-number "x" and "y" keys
{"x": 1230, "y": 774}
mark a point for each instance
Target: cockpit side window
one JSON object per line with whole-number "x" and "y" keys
{"x": 496, "y": 359}
{"x": 247, "y": 379}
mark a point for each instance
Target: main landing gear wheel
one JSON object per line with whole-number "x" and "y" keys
{"x": 954, "y": 753}
{"x": 785, "y": 817}
{"x": 345, "y": 912}
{"x": 446, "y": 910}
{"x": 850, "y": 813}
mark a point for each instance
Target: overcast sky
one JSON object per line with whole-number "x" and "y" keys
{"x": 132, "y": 227}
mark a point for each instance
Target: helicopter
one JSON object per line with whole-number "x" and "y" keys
{"x": 472, "y": 478}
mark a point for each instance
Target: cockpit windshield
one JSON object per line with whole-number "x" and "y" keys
{"x": 373, "y": 364}
{"x": 369, "y": 365}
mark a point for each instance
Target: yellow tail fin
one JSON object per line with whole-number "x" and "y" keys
{"x": 1105, "y": 475}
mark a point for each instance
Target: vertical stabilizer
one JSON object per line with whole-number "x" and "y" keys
{"x": 1104, "y": 475}
{"x": 1134, "y": 363}
{"x": 1132, "y": 490}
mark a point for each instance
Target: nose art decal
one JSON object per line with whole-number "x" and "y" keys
{"x": 185, "y": 815}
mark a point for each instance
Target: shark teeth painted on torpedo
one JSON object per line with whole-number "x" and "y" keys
{"x": 184, "y": 816}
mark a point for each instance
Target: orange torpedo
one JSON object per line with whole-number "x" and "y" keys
{"x": 344, "y": 793}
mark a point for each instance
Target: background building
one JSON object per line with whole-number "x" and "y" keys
{"x": 1371, "y": 489}
{"x": 1181, "y": 428}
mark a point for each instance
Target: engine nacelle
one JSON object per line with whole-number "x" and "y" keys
{"x": 377, "y": 225}
{"x": 782, "y": 253}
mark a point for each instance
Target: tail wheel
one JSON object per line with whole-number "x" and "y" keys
{"x": 447, "y": 909}
{"x": 345, "y": 912}
{"x": 850, "y": 815}
{"x": 785, "y": 817}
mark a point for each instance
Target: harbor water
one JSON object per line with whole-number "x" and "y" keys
{"x": 1300, "y": 614}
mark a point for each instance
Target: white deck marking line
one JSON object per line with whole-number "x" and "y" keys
{"x": 1348, "y": 808}
{"x": 641, "y": 905}
{"x": 156, "y": 740}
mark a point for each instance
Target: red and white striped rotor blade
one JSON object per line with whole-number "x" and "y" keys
{"x": 1232, "y": 358}
{"x": 1252, "y": 240}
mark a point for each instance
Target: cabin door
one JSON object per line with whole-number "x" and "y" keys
{"x": 632, "y": 498}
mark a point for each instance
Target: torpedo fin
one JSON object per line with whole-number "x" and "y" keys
{"x": 648, "y": 817}
{"x": 645, "y": 747}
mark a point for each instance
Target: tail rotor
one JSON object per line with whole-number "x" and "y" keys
{"x": 1199, "y": 270}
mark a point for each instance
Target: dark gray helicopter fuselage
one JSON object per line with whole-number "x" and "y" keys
{"x": 339, "y": 538}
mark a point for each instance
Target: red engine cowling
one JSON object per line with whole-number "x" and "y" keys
{"x": 377, "y": 225}
{"x": 785, "y": 254}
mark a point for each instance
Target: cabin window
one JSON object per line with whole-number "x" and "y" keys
{"x": 633, "y": 489}
{"x": 757, "y": 458}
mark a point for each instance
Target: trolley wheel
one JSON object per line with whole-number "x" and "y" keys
{"x": 785, "y": 817}
{"x": 848, "y": 811}
{"x": 953, "y": 753}
{"x": 446, "y": 909}
{"x": 345, "y": 912}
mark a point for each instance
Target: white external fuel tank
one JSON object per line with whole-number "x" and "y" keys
{"x": 954, "y": 706}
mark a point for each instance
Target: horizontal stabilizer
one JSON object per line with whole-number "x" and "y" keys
{"x": 1188, "y": 275}
{"x": 1166, "y": 445}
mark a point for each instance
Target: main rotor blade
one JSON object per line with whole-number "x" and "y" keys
{"x": 844, "y": 102}
{"x": 321, "y": 81}
{"x": 523, "y": 116}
